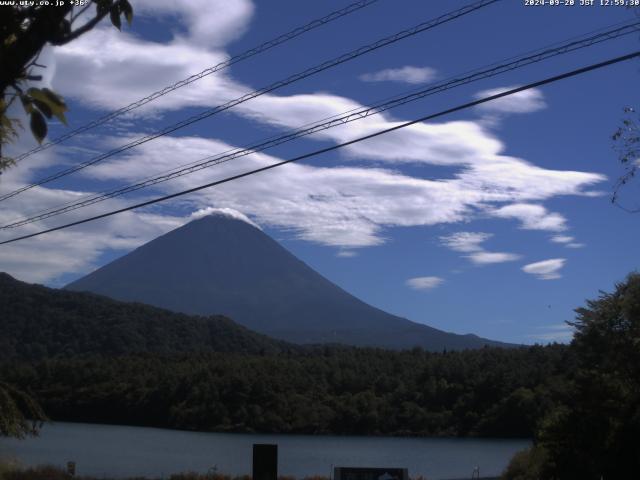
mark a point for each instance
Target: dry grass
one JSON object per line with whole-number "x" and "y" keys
{"x": 12, "y": 471}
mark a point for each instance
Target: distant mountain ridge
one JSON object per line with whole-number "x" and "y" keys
{"x": 39, "y": 323}
{"x": 223, "y": 265}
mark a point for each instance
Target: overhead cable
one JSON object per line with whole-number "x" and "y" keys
{"x": 197, "y": 76}
{"x": 351, "y": 116}
{"x": 256, "y": 93}
{"x": 425, "y": 118}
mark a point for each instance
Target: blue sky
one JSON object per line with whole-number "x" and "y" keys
{"x": 494, "y": 221}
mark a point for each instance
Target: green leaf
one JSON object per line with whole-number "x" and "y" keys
{"x": 38, "y": 94}
{"x": 115, "y": 17}
{"x": 43, "y": 107}
{"x": 54, "y": 98}
{"x": 26, "y": 103}
{"x": 38, "y": 126}
{"x": 127, "y": 10}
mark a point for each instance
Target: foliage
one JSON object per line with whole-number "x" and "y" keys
{"x": 627, "y": 145}
{"x": 20, "y": 414}
{"x": 530, "y": 464}
{"x": 24, "y": 31}
{"x": 594, "y": 431}
{"x": 39, "y": 322}
{"x": 89, "y": 358}
{"x": 336, "y": 390}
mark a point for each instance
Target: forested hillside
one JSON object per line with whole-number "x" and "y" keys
{"x": 488, "y": 392}
{"x": 39, "y": 322}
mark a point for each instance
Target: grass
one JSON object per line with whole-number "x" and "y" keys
{"x": 12, "y": 471}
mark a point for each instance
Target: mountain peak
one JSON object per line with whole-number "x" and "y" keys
{"x": 222, "y": 263}
{"x": 213, "y": 213}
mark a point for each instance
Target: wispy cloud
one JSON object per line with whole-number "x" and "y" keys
{"x": 567, "y": 241}
{"x": 424, "y": 283}
{"x": 546, "y": 269}
{"x": 532, "y": 217}
{"x": 562, "y": 239}
{"x": 523, "y": 102}
{"x": 346, "y": 206}
{"x": 487, "y": 258}
{"x": 560, "y": 332}
{"x": 470, "y": 242}
{"x": 465, "y": 241}
{"x": 408, "y": 74}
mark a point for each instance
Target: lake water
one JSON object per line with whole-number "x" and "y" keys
{"x": 119, "y": 451}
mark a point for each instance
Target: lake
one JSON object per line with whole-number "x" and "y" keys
{"x": 120, "y": 451}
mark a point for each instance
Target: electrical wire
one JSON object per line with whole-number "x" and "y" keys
{"x": 425, "y": 118}
{"x": 341, "y": 119}
{"x": 256, "y": 93}
{"x": 197, "y": 76}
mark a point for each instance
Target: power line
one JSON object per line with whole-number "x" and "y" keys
{"x": 208, "y": 71}
{"x": 425, "y": 118}
{"x": 256, "y": 93}
{"x": 341, "y": 119}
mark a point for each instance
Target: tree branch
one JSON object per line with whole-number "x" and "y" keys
{"x": 81, "y": 30}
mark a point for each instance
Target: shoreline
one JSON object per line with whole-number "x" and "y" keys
{"x": 290, "y": 434}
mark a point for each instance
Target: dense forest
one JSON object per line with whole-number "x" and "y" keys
{"x": 490, "y": 392}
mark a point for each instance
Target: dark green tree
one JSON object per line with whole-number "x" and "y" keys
{"x": 595, "y": 432}
{"x": 20, "y": 414}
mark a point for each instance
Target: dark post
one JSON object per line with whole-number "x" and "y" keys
{"x": 265, "y": 462}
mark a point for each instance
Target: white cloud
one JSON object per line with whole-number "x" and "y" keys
{"x": 129, "y": 68}
{"x": 546, "y": 269}
{"x": 211, "y": 23}
{"x": 527, "y": 101}
{"x": 533, "y": 217}
{"x": 77, "y": 250}
{"x": 567, "y": 241}
{"x": 225, "y": 212}
{"x": 470, "y": 242}
{"x": 408, "y": 74}
{"x": 458, "y": 143}
{"x": 486, "y": 258}
{"x": 339, "y": 206}
{"x": 465, "y": 241}
{"x": 424, "y": 283}
{"x": 562, "y": 239}
{"x": 346, "y": 207}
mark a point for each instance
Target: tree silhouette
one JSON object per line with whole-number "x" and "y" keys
{"x": 20, "y": 414}
{"x": 24, "y": 31}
